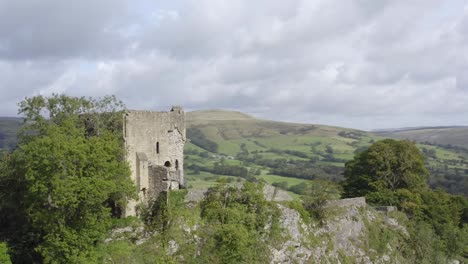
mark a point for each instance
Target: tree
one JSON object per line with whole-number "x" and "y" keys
{"x": 317, "y": 194}
{"x": 64, "y": 180}
{"x": 386, "y": 166}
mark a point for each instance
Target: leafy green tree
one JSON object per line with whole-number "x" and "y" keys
{"x": 65, "y": 179}
{"x": 317, "y": 194}
{"x": 387, "y": 165}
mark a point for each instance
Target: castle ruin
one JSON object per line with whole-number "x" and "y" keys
{"x": 155, "y": 152}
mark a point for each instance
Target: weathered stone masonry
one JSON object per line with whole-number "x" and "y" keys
{"x": 155, "y": 152}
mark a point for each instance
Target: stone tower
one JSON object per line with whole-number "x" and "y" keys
{"x": 155, "y": 152}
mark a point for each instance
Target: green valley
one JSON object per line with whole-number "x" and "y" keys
{"x": 294, "y": 153}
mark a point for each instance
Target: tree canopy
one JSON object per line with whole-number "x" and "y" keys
{"x": 386, "y": 165}
{"x": 66, "y": 178}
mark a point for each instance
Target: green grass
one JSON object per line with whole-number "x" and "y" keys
{"x": 190, "y": 146}
{"x": 275, "y": 178}
{"x": 204, "y": 179}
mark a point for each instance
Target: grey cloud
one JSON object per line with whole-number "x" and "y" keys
{"x": 272, "y": 28}
{"x": 55, "y": 29}
{"x": 21, "y": 79}
{"x": 361, "y": 63}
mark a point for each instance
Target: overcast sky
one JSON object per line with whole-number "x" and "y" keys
{"x": 355, "y": 63}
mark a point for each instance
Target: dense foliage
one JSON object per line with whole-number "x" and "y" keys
{"x": 65, "y": 179}
{"x": 386, "y": 165}
{"x": 236, "y": 220}
{"x": 302, "y": 169}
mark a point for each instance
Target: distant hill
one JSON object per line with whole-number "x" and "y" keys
{"x": 456, "y": 135}
{"x": 8, "y": 128}
{"x": 234, "y": 125}
{"x": 216, "y": 114}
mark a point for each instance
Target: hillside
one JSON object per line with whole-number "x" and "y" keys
{"x": 290, "y": 153}
{"x": 231, "y": 129}
{"x": 455, "y": 136}
{"x": 8, "y": 128}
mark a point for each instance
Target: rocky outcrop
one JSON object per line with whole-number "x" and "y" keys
{"x": 274, "y": 194}
{"x": 341, "y": 237}
{"x": 271, "y": 193}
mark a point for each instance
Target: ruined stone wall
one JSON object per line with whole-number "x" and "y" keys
{"x": 157, "y": 180}
{"x": 160, "y": 138}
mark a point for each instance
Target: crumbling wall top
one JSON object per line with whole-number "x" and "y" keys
{"x": 348, "y": 202}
